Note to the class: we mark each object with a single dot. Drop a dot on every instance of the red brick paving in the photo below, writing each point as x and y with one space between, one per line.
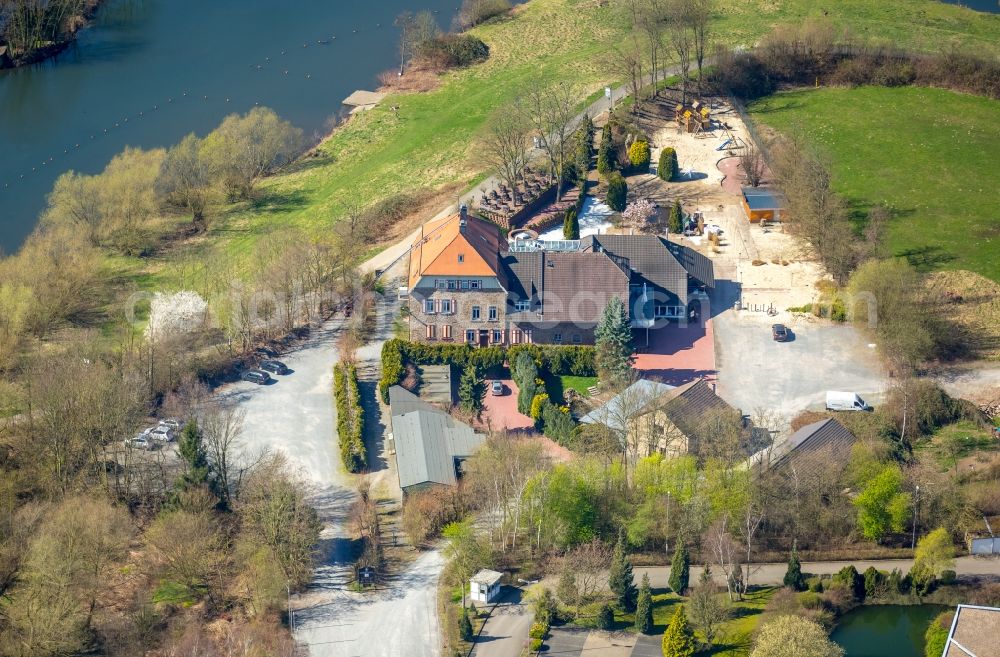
500 412
678 354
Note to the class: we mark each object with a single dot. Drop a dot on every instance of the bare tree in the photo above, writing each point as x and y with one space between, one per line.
504 147
681 40
222 431
415 29
725 552
186 177
752 163
698 15
551 112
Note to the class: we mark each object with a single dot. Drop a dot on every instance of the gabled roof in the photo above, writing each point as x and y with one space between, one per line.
689 405
655 260
824 438
627 404
456 246
428 441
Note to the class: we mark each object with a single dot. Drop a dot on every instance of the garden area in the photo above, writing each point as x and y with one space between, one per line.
926 154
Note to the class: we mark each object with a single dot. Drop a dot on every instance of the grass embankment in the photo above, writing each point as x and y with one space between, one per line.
430 143
928 154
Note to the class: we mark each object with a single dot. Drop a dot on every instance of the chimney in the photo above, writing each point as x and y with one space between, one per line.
463 215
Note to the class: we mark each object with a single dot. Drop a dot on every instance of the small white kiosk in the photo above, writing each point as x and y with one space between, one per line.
485 586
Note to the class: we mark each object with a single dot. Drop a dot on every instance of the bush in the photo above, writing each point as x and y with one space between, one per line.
617 192
535 645
815 584
538 630
667 167
453 51
937 634
474 12
605 152
873 581
605 618
350 417
465 626
537 404
810 600
638 156
557 423
948 577
851 580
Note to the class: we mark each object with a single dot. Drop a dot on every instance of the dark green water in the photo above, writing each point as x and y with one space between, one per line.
885 630
147 72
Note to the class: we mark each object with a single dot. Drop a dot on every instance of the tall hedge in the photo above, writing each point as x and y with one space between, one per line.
350 417
571 224
667 167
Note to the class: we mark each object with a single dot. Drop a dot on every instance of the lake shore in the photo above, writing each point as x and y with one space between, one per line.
76 23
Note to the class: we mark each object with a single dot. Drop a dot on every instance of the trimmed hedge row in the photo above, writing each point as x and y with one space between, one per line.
350 417
577 360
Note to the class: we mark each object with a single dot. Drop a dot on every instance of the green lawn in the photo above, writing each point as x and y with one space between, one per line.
557 385
431 143
929 154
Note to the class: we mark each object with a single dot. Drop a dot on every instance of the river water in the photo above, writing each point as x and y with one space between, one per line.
147 72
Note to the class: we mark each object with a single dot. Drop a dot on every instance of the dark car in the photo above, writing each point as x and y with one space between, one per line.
274 366
779 332
256 376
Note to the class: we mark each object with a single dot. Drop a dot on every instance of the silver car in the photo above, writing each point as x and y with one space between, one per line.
162 433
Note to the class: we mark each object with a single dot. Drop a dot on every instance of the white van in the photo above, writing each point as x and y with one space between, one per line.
845 401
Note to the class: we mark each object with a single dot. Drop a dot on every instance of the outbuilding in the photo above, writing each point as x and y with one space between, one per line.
761 204
485 586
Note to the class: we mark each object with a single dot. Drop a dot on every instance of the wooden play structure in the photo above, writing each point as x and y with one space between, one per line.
696 119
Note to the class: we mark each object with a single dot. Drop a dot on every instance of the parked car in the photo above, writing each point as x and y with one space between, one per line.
274 366
845 401
497 388
140 441
779 333
174 424
161 433
256 376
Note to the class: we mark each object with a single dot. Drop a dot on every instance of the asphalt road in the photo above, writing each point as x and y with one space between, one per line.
506 630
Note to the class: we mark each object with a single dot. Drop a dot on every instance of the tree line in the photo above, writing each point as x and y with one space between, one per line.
28 26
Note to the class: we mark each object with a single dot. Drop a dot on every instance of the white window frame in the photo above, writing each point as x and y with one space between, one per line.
470 336
447 307
493 314
522 305
464 285
475 285
477 314
430 307
557 338
496 336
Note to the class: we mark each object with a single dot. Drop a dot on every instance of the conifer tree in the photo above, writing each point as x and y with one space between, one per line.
614 344
470 391
793 576
571 224
678 640
680 570
644 607
620 578
676 221
465 626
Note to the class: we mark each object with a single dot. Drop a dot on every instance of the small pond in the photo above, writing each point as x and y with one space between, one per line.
882 630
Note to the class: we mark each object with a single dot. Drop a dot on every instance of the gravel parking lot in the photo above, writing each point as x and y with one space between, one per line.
788 377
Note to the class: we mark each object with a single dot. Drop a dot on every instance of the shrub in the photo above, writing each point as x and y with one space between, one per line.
350 417
605 618
465 626
453 51
537 404
538 630
851 580
557 423
617 192
474 12
535 645
873 581
948 577
810 600
638 155
667 167
937 634
815 584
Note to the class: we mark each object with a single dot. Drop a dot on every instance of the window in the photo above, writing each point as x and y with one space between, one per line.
527 337
576 338
475 313
493 313
429 306
465 285
431 331
515 336
475 285
557 337
470 336
461 258
446 332
452 285
497 336
440 284
446 306
522 305
667 311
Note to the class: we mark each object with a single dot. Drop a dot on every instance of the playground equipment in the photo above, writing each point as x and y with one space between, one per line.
696 120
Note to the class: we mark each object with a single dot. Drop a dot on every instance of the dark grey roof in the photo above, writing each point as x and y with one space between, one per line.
656 261
761 198
689 405
428 441
521 273
827 438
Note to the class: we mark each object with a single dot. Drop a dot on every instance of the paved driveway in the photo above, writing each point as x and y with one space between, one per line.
500 411
677 354
506 630
757 372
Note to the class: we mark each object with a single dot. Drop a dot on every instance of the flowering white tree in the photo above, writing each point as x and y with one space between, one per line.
180 312
639 212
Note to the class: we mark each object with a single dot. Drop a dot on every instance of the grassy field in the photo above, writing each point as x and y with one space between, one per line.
929 154
431 142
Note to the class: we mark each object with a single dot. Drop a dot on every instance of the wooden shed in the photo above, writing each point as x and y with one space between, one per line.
761 204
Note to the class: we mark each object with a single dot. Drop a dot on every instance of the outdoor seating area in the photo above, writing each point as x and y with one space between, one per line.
505 201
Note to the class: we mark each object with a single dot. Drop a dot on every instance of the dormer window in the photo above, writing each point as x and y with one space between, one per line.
461 258
522 305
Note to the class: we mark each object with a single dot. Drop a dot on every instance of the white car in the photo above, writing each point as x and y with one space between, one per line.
139 442
162 433
172 423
